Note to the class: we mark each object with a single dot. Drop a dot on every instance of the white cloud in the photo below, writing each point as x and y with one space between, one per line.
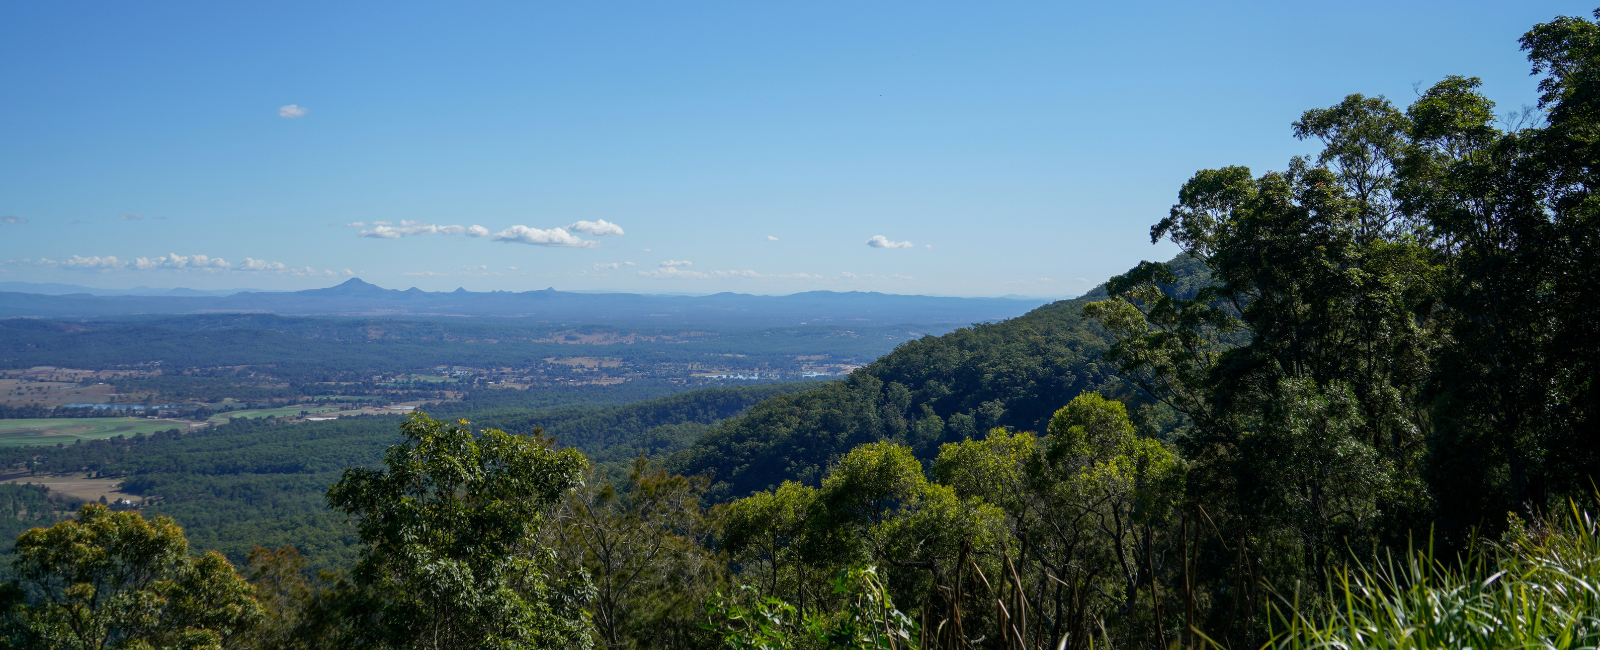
383 229
356 224
771 238
251 264
130 217
10 219
292 111
879 241
675 272
665 263
558 237
929 247
349 272
846 275
612 266
599 227
176 261
92 262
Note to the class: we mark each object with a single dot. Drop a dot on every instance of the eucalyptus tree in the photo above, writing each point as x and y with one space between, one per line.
117 580
453 556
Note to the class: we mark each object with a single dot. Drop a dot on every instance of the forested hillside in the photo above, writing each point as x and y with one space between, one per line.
928 392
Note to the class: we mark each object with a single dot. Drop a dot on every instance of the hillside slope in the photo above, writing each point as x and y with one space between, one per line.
1014 373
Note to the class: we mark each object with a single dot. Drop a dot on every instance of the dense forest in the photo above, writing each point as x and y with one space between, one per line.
1359 410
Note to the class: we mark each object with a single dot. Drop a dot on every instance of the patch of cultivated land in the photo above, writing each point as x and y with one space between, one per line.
76 485
16 392
315 412
50 431
286 411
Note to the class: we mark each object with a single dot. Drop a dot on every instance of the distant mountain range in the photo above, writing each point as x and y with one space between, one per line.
57 289
357 298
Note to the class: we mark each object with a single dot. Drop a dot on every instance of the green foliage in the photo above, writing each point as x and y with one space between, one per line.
451 556
1085 510
1399 332
1539 589
926 393
751 622
254 482
867 620
116 580
30 506
647 545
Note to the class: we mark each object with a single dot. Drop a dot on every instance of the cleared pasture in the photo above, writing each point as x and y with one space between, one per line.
286 411
50 431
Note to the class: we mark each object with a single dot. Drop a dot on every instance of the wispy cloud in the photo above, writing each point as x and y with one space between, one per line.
292 111
598 228
879 241
555 237
676 272
130 217
612 266
771 238
92 262
666 263
10 219
176 261
179 263
872 277
253 264
385 230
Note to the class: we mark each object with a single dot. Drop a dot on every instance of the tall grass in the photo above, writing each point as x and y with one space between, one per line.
1539 587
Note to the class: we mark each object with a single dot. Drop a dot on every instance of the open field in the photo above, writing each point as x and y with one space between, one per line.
49 431
77 485
274 413
16 392
319 412
69 375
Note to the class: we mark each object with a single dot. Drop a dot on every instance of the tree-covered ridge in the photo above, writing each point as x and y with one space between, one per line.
927 392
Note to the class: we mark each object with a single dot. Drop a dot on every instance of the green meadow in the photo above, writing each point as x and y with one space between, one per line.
49 431
277 413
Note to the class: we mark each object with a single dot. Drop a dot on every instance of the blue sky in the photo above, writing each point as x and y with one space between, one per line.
992 148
